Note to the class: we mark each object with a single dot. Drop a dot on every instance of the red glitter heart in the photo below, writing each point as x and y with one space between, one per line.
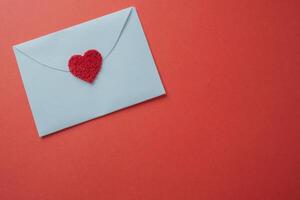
86 67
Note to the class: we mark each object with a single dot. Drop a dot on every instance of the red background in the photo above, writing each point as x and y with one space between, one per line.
227 129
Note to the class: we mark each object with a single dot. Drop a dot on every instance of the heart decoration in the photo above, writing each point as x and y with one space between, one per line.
86 67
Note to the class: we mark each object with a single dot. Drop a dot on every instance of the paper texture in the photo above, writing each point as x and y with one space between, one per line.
59 100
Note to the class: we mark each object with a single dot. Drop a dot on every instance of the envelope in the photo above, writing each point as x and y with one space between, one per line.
128 73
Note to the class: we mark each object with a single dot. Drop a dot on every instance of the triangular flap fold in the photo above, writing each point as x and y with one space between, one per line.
55 49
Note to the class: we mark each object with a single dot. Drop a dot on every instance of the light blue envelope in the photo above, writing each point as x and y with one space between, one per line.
128 75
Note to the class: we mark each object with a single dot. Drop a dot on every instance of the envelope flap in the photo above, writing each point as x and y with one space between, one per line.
56 48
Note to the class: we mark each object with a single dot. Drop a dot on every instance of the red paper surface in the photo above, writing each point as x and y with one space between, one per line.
227 129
